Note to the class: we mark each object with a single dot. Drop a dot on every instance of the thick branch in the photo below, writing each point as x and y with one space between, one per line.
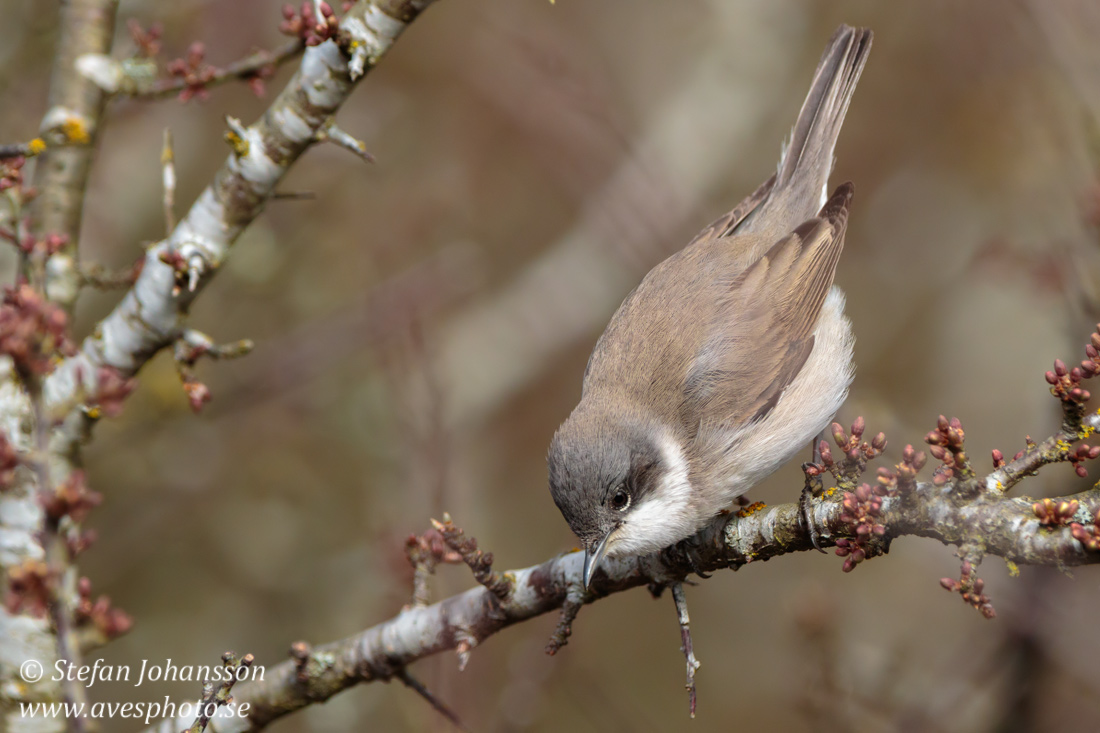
151 315
988 525
87 26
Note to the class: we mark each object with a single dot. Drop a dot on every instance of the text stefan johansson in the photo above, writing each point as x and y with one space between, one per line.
89 674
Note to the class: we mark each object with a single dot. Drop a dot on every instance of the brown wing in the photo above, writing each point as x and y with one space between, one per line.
727 223
763 332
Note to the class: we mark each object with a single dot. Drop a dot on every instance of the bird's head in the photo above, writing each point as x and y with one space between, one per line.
622 485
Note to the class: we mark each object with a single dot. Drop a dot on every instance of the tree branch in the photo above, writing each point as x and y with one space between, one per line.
151 315
986 524
76 105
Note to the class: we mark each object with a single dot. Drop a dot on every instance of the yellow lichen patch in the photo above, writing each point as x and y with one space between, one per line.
1013 569
751 509
93 412
36 146
239 145
1061 445
75 131
830 492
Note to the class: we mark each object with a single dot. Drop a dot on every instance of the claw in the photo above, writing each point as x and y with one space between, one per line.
806 517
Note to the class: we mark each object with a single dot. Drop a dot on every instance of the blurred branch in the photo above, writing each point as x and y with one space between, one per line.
151 315
75 106
256 65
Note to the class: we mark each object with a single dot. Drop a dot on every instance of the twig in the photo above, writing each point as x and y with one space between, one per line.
191 346
685 641
333 134
25 150
168 163
256 63
440 706
569 610
213 697
98 276
500 585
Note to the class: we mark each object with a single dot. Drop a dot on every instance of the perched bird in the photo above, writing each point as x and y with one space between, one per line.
729 357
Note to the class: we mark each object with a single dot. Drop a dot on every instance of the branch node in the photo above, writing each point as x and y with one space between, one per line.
466 643
334 134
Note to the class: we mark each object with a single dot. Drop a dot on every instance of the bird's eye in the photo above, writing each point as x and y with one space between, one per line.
620 500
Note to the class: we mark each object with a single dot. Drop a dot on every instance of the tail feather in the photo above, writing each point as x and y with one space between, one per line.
801 183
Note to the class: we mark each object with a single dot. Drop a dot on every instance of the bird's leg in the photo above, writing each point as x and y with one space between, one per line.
811 489
685 641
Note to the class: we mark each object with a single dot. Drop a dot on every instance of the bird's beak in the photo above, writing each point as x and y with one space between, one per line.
592 557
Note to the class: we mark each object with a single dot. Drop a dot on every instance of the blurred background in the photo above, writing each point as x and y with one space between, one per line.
422 325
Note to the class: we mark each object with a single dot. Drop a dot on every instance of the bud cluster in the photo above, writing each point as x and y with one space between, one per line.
855 452
29 588
148 41
971 588
71 499
903 477
11 172
32 331
862 512
1088 535
305 24
1082 454
193 71
1055 514
1065 382
110 621
947 446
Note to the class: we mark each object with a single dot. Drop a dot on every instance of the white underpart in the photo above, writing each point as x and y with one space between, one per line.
663 517
804 409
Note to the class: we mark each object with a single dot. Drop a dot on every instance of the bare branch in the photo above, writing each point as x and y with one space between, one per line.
152 314
75 107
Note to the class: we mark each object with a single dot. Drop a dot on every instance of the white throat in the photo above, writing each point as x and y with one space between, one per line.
664 517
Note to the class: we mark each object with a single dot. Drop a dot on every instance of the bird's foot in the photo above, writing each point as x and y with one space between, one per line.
806 504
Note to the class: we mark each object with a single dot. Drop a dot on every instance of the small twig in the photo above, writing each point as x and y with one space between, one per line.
440 706
333 134
480 563
569 610
102 278
168 161
25 150
685 641
191 346
424 553
293 196
257 64
215 697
